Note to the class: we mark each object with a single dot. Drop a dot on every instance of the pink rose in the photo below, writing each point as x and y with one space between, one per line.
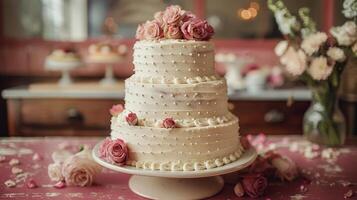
188 16
80 169
132 119
173 32
31 184
140 32
152 30
168 123
116 109
172 15
197 29
103 147
114 151
286 168
158 18
254 185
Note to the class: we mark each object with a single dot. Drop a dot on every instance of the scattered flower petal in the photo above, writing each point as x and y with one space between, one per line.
36 157
14 161
348 194
31 184
16 170
2 158
10 183
238 190
60 185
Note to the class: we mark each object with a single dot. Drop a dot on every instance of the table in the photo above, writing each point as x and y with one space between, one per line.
328 178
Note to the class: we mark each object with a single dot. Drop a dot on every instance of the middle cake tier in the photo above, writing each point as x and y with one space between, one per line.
197 104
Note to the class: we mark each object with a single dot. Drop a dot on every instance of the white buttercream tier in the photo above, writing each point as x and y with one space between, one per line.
180 101
177 149
173 59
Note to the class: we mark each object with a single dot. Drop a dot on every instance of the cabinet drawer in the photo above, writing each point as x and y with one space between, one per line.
66 112
271 117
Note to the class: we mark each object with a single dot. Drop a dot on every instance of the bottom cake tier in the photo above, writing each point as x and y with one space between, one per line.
180 149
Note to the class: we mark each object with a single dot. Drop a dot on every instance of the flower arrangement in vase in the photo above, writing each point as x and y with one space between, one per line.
318 59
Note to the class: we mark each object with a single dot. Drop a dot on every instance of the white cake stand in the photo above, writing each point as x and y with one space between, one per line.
109 78
64 67
178 184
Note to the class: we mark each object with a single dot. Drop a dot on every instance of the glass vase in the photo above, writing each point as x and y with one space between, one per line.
324 122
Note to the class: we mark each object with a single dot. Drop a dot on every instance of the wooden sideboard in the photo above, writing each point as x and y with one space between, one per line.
86 113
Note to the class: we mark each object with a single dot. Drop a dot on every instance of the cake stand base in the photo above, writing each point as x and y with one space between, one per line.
155 184
65 79
175 188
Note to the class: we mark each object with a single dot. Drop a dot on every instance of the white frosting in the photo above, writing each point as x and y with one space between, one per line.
176 78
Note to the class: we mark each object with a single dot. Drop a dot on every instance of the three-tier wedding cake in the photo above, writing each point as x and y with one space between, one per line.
176 115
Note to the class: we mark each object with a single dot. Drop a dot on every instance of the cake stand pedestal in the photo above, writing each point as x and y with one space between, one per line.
178 184
109 78
65 68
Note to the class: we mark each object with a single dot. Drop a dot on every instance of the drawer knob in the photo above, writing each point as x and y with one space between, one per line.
74 116
274 116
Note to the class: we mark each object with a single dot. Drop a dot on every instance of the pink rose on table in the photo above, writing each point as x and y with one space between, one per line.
173 32
55 172
132 119
197 29
140 32
169 123
153 30
172 15
254 185
286 168
80 169
116 109
114 151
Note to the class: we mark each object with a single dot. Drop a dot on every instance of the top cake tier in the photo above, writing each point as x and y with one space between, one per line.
173 61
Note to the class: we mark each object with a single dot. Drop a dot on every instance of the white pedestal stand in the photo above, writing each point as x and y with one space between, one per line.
109 78
178 184
65 68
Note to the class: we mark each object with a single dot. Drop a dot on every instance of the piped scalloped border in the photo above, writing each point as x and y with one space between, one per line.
188 166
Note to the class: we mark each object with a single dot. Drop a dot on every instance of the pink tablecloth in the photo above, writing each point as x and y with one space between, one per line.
327 179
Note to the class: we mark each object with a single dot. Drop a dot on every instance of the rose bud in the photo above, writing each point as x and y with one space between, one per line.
116 109
132 119
168 123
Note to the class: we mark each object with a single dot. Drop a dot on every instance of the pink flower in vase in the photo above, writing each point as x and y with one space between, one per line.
169 123
254 185
132 119
153 30
116 109
197 29
172 15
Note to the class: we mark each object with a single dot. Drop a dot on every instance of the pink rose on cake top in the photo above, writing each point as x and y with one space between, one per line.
175 23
